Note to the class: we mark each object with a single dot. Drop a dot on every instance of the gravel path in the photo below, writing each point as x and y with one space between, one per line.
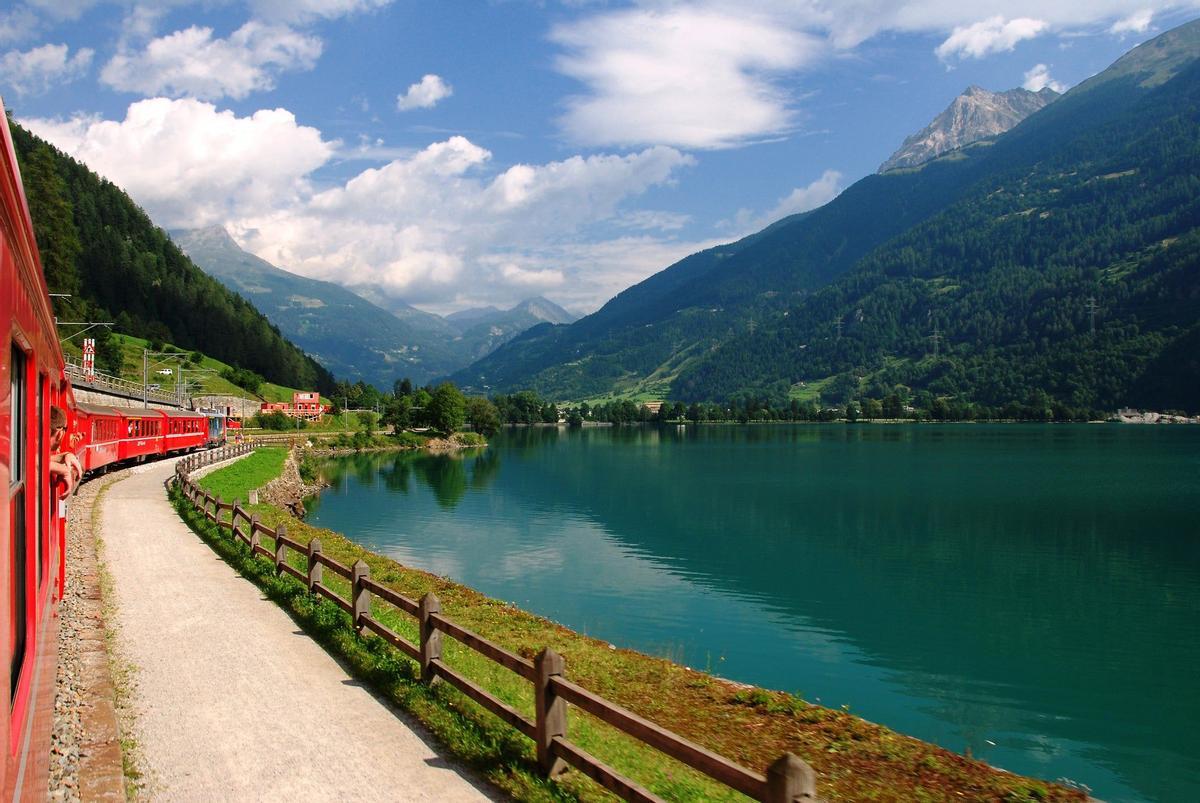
232 701
85 755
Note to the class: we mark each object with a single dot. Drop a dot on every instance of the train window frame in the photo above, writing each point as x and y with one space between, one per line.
41 471
22 611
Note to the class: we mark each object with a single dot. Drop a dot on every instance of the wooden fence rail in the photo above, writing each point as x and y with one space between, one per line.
787 780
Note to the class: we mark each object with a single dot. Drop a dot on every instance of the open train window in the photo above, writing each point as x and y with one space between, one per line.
19 524
42 474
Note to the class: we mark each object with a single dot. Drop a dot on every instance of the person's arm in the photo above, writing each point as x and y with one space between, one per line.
66 465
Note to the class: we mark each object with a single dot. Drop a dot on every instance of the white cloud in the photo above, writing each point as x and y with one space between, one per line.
424 94
1038 78
819 192
993 35
300 11
37 70
189 164
802 199
192 63
1137 22
423 226
690 77
16 25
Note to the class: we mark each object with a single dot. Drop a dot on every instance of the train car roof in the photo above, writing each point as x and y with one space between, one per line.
180 413
99 409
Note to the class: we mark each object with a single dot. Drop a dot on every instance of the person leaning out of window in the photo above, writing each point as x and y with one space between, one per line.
63 463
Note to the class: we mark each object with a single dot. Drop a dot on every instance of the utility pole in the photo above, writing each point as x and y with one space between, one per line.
935 337
838 323
1091 307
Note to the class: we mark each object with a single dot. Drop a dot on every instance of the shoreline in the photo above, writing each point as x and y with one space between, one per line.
773 720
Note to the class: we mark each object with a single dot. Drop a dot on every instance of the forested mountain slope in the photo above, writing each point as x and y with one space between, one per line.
98 246
995 248
1090 219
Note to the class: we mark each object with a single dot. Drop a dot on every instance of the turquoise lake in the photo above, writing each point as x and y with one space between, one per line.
1032 592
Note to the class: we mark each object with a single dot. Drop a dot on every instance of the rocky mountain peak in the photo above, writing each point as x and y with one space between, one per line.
976 114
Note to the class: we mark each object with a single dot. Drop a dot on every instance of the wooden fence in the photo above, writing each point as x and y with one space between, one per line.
787 780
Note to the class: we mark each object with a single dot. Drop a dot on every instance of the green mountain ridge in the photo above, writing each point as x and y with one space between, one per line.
996 248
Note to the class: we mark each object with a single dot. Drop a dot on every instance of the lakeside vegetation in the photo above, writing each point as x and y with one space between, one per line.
901 404
854 759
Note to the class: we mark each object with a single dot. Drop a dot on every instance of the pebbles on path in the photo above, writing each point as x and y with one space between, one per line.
85 755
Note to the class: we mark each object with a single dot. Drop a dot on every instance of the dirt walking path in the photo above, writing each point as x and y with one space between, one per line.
232 701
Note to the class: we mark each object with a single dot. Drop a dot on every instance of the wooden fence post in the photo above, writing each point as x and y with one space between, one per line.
360 595
314 566
280 548
217 511
550 711
790 779
431 637
254 536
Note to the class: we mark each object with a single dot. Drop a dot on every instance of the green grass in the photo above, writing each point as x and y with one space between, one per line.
256 470
854 759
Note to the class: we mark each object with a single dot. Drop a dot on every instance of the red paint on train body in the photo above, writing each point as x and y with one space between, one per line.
32 524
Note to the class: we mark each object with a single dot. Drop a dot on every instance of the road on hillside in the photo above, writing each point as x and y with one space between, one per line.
231 700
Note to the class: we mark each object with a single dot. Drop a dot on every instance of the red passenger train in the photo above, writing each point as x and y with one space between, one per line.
32 525
32 506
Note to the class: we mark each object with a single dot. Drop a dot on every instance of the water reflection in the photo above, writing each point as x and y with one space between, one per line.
1030 586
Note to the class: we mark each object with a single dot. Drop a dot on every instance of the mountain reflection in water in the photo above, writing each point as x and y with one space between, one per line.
1032 586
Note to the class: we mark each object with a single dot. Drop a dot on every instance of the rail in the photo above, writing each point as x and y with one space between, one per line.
116 386
787 780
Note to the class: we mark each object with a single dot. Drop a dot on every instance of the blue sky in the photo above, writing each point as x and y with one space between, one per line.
455 154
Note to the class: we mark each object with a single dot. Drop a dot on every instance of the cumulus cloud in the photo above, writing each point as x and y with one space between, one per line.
35 71
993 35
683 76
189 164
1137 22
424 94
1039 78
193 63
421 227
424 225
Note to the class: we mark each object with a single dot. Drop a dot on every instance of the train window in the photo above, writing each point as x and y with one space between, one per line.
42 418
19 420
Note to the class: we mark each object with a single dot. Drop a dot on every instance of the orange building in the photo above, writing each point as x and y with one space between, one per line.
305 404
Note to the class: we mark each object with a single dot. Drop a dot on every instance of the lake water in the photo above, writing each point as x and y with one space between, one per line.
1032 592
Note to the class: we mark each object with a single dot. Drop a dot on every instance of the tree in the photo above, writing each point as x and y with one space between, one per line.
447 408
402 387
483 416
397 413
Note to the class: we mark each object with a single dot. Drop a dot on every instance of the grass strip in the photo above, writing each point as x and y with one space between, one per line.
854 759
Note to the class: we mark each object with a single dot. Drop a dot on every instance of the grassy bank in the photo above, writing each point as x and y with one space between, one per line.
854 759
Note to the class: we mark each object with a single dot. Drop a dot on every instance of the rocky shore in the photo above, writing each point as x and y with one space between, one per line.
289 490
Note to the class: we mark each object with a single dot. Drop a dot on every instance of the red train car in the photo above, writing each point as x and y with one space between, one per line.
100 430
32 529
114 434
183 431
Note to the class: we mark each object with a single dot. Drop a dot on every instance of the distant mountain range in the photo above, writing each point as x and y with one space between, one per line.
974 115
348 334
1058 260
